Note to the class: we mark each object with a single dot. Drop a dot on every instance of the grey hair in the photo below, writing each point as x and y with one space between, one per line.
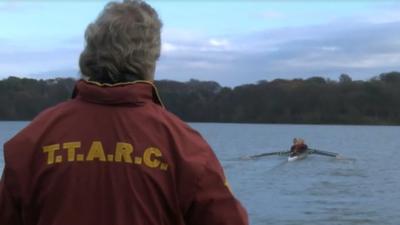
123 43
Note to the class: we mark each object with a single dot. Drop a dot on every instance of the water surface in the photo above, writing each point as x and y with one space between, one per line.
316 190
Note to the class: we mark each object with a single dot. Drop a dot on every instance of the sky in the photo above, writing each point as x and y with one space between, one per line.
232 42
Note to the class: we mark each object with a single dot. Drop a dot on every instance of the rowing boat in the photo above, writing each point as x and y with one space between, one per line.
294 157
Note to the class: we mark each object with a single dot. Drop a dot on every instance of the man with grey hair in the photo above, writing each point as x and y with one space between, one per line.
113 155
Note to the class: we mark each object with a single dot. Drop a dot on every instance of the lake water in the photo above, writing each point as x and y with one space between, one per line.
317 190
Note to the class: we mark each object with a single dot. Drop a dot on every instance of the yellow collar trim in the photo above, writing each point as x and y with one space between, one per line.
126 83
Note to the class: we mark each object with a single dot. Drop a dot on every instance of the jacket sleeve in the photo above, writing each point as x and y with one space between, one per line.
213 201
9 213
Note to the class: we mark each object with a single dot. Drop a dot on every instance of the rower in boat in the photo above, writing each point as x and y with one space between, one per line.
298 147
293 148
298 150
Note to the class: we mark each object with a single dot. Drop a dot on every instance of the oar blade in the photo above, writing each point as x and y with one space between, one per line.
324 153
268 154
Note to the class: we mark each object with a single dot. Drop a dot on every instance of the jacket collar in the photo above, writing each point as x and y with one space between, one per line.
136 92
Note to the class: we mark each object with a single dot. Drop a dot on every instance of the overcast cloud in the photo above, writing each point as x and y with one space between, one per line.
363 46
359 49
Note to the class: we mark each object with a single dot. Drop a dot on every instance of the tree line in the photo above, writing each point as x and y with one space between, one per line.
315 100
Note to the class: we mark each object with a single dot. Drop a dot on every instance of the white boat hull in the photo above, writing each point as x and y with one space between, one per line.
297 157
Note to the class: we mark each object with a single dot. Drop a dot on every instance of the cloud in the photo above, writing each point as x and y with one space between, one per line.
272 15
168 47
18 60
218 42
387 14
329 48
20 7
360 49
8 6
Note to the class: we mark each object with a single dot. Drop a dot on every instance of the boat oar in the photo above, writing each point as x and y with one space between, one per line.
325 153
267 154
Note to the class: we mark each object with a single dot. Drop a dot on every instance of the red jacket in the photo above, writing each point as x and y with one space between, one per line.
113 155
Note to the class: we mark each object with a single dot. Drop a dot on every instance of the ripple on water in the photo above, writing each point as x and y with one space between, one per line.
346 172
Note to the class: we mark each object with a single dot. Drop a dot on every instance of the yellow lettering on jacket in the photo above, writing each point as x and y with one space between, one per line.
123 151
110 158
50 150
164 166
80 157
138 160
71 149
96 151
148 158
58 159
